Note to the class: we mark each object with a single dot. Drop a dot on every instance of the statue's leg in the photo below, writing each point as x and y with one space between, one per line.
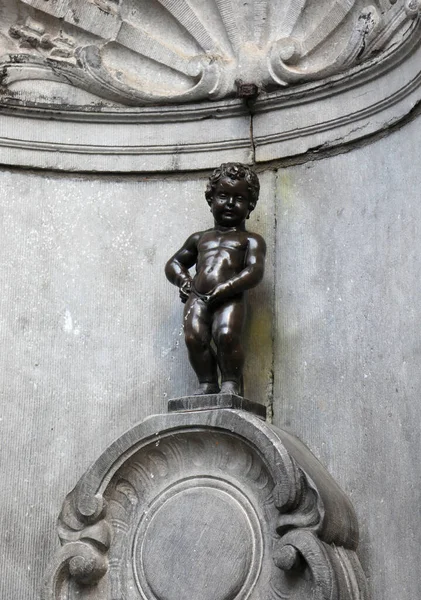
227 326
198 337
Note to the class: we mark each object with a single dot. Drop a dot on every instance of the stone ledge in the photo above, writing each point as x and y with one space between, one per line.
214 402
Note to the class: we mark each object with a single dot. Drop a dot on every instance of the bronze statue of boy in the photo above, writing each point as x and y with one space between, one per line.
229 260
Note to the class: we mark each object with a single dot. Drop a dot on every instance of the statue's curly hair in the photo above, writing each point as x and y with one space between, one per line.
235 171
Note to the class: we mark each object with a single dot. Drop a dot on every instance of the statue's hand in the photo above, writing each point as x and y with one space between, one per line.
185 291
219 294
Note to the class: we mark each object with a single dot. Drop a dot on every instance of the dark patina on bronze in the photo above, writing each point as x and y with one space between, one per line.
229 260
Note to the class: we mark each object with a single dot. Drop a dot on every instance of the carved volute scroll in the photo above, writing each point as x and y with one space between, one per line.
211 504
177 51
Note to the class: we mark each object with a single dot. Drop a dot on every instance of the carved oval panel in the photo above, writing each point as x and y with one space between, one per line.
191 517
200 539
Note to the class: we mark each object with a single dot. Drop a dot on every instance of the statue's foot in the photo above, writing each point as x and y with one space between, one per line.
230 387
207 388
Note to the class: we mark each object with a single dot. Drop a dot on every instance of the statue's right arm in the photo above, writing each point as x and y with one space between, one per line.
177 268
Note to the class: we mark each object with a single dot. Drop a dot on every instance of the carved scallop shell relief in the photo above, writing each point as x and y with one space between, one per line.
140 52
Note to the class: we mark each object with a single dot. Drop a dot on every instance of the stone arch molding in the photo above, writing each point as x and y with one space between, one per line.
137 53
150 85
211 504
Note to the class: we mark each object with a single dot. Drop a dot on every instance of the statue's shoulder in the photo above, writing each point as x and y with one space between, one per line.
194 238
256 240
199 234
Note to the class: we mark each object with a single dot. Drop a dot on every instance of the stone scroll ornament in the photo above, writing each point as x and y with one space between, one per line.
177 51
210 505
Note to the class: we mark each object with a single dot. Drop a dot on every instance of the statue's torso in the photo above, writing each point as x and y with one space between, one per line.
221 255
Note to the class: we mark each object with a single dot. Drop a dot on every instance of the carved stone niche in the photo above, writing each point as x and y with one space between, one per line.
209 504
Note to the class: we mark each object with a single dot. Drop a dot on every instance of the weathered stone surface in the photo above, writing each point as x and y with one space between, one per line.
85 353
177 51
209 504
48 124
348 223
78 263
150 139
347 347
346 108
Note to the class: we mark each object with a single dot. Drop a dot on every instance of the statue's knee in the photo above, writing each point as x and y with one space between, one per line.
194 340
227 339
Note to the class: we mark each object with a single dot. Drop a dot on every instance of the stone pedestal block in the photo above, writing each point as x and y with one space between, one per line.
211 504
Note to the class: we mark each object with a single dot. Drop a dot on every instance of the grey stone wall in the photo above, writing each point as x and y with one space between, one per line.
86 354
90 334
347 349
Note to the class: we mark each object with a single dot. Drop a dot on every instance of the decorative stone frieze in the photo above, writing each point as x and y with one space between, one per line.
209 504
176 51
76 78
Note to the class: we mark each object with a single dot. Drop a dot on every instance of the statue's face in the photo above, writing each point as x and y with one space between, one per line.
231 202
